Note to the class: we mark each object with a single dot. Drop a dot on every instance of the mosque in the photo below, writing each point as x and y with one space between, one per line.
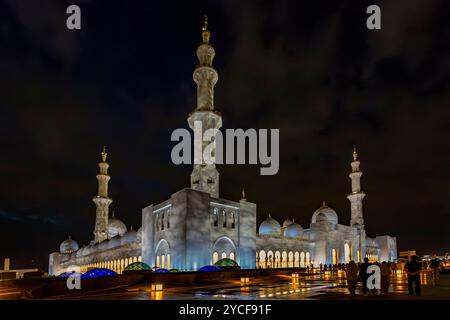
194 227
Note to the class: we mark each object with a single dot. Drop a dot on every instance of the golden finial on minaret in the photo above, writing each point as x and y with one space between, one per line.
243 193
205 32
104 154
355 154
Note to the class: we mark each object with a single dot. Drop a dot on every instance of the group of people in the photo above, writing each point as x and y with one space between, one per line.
358 272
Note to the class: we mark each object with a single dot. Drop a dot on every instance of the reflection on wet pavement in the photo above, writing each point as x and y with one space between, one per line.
327 285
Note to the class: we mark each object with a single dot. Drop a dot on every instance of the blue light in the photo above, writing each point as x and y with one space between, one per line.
208 268
161 270
97 273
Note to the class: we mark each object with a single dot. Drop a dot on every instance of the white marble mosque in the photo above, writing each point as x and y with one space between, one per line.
195 227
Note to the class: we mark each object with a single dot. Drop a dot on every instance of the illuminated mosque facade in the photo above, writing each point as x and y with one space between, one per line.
196 228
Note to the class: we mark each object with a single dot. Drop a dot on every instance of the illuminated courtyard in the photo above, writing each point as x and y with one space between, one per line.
327 286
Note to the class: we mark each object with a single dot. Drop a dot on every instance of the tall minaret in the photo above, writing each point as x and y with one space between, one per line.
204 177
357 195
102 201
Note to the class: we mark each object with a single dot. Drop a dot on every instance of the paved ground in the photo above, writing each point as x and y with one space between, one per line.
327 286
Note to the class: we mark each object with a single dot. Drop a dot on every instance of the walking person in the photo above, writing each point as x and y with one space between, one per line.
351 272
434 265
413 269
363 276
385 271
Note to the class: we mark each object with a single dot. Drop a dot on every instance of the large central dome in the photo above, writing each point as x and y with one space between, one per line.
325 214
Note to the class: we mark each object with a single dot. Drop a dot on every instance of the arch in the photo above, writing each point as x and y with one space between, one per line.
296 259
162 248
158 261
262 259
277 259
270 259
215 257
308 258
290 259
232 256
140 259
134 259
215 217
302 260
224 255
347 253
284 259
224 245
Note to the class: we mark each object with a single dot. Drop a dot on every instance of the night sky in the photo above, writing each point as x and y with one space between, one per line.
309 68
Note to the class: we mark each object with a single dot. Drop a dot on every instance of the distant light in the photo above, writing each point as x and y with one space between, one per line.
157 286
245 280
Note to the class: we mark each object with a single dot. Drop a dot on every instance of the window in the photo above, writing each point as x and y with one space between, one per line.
168 218
232 220
224 255
224 218
215 257
215 217
162 221
232 255
168 261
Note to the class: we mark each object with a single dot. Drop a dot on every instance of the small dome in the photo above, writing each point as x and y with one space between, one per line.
325 214
287 222
116 228
68 246
294 230
269 227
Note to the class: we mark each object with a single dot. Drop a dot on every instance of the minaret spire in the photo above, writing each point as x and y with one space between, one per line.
205 177
102 201
356 208
356 196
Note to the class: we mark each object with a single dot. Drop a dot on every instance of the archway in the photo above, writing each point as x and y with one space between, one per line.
225 247
162 250
262 259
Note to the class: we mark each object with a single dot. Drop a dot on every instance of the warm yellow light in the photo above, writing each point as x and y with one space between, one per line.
157 287
245 280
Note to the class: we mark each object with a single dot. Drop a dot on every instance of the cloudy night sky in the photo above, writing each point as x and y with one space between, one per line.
309 68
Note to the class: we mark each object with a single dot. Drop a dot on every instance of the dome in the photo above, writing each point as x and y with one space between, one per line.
294 230
116 227
137 266
68 246
325 214
97 273
287 223
269 227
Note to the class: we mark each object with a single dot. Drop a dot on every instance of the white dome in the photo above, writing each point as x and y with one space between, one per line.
294 230
68 246
325 214
287 223
116 227
270 227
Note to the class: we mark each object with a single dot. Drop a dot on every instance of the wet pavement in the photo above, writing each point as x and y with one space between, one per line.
325 286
